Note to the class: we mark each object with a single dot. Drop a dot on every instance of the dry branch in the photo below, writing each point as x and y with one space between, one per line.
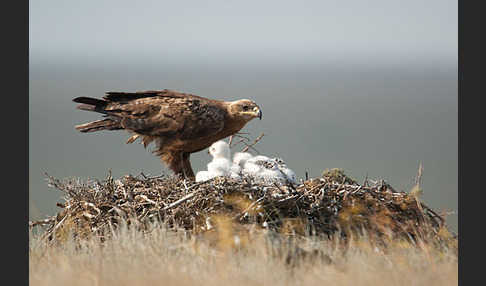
248 146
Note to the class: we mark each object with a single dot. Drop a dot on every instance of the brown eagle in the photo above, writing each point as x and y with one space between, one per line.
178 123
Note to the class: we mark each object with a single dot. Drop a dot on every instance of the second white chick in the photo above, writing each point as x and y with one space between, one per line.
251 167
221 164
239 160
262 168
269 171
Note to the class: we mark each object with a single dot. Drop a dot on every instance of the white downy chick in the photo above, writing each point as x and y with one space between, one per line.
235 171
221 164
220 149
270 171
251 167
263 168
239 160
289 174
202 176
217 167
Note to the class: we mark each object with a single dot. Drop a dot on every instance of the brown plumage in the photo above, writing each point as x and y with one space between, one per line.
178 123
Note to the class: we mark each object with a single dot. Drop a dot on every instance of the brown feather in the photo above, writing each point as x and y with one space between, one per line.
132 139
90 101
105 124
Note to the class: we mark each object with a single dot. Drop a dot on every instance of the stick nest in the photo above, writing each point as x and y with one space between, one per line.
324 206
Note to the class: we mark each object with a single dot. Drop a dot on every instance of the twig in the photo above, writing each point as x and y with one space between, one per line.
365 183
46 235
243 138
442 220
278 187
40 222
178 202
418 179
252 144
150 178
249 207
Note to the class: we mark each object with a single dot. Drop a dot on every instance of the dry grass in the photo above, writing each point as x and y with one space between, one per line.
160 256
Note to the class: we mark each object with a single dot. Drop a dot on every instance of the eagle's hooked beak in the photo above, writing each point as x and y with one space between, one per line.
259 112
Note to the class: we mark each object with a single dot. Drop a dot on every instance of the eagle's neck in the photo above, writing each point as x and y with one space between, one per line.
233 125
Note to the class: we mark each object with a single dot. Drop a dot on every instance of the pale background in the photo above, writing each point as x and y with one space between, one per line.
367 86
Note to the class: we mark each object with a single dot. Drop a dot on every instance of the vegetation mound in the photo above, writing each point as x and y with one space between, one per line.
330 205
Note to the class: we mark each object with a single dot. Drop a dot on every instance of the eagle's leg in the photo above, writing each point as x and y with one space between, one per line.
174 162
186 166
179 163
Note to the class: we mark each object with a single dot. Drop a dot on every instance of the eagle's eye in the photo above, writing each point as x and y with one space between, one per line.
246 107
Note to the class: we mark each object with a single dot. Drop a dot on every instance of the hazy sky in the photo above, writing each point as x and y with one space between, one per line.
243 30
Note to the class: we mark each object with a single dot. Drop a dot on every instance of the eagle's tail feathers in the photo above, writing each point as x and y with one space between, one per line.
90 100
91 104
104 124
86 107
113 96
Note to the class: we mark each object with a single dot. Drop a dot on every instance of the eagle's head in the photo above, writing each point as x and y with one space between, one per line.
245 109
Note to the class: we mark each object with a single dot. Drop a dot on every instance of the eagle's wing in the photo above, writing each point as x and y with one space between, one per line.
160 113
